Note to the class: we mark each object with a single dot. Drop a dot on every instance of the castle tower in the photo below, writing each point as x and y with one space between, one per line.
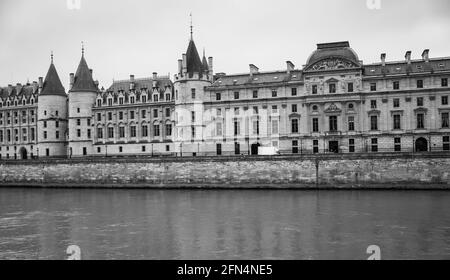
82 96
189 83
52 116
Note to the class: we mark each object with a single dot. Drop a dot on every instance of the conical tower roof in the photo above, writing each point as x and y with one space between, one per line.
204 62
83 78
194 64
52 84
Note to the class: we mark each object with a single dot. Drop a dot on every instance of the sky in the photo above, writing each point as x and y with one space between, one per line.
140 37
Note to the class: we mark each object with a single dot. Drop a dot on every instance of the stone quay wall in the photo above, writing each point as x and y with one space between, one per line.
284 172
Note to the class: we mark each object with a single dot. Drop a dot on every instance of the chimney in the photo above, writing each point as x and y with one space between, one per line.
290 66
71 81
210 65
383 59
408 57
132 85
155 75
41 83
96 83
18 84
184 63
253 69
425 55
180 66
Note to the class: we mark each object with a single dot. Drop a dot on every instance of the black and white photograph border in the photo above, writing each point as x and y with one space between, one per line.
224 131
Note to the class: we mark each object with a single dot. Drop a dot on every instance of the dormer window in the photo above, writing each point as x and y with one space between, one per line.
144 98
110 102
132 100
99 102
120 100
23 102
155 97
167 96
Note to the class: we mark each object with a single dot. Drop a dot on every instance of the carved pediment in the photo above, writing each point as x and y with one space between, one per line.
333 109
332 63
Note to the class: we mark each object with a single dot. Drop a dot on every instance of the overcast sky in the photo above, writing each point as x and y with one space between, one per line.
141 36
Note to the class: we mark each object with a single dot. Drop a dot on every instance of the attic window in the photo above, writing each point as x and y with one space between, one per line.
276 78
234 81
372 70
398 68
294 76
419 67
441 65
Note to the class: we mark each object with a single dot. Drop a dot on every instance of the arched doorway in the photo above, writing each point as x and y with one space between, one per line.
421 145
23 153
254 148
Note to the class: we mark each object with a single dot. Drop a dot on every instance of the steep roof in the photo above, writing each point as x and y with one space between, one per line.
194 64
52 83
83 78
204 62
336 49
258 79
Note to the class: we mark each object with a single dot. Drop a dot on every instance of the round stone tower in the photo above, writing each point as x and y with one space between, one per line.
189 83
82 95
52 116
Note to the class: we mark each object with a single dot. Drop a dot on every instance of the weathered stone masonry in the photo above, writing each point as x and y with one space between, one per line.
403 173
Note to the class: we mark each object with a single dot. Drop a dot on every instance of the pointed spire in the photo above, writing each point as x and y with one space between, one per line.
83 78
82 48
192 37
52 84
204 62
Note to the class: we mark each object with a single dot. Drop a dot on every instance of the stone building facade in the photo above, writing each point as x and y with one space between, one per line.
334 104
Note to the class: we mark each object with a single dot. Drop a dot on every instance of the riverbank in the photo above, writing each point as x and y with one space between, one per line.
357 171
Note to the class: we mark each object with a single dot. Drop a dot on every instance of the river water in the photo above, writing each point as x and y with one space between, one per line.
225 224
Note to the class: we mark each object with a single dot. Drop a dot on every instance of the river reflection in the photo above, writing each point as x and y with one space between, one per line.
175 224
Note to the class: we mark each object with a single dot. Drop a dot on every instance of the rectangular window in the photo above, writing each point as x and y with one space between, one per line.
255 127
99 133
219 149
274 109
89 134
445 120
110 132
193 93
350 87
99 117
397 122
396 103
373 104
294 91
332 88
444 82
351 145
193 132
57 134
78 133
236 95
294 126
110 116
274 126
315 123
373 122
218 96
143 149
314 89
274 93
132 115
45 124
167 112
168 130
444 100
193 117
446 143
143 114
419 101
219 129
144 131
155 113
397 144
120 149
419 83
133 131
374 145
122 132
255 94
237 148
255 110
333 123
32 134
396 85
351 123
295 146
237 129
373 86
144 99
420 121
294 108
156 131
315 146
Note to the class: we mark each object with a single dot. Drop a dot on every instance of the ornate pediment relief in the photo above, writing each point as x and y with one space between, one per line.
332 63
333 109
